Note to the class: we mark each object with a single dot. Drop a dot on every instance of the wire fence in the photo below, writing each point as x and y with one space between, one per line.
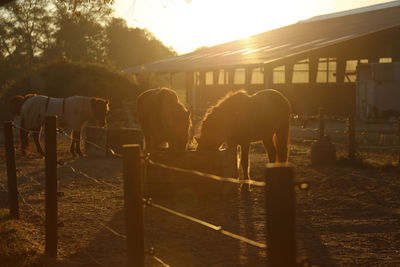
146 162
363 140
117 188
206 224
149 202
207 175
105 149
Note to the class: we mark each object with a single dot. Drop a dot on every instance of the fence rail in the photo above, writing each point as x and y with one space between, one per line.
360 139
280 251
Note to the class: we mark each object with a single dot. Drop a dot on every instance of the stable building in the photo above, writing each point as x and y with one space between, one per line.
312 62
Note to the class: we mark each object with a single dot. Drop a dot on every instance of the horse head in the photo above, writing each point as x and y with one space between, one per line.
16 103
100 108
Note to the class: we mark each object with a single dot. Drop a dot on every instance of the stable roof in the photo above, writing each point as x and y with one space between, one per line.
305 36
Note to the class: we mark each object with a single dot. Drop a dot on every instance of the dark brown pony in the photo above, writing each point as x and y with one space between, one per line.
239 119
16 103
163 118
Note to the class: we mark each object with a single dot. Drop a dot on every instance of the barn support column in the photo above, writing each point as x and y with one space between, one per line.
225 81
289 73
215 81
231 76
268 76
170 74
313 69
373 59
189 89
248 76
202 89
340 70
396 49
215 78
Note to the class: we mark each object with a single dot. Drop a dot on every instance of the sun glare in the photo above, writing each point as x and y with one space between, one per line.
209 22
224 21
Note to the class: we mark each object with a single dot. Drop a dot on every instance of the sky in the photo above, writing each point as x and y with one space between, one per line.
188 26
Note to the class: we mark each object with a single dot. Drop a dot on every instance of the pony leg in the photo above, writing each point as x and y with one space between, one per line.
244 159
173 144
282 143
78 143
271 150
36 138
72 146
146 143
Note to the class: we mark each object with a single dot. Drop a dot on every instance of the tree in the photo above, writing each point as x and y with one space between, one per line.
23 30
127 47
24 34
39 31
80 36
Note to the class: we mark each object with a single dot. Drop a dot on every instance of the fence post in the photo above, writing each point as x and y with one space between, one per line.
51 238
11 170
322 132
351 131
398 134
133 205
280 215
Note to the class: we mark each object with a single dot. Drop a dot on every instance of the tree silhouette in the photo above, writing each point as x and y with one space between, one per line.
127 47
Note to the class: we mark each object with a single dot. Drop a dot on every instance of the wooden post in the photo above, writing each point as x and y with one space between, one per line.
11 170
51 238
398 134
280 215
352 137
322 132
133 205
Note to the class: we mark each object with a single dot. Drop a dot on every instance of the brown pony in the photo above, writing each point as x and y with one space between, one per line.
239 119
163 118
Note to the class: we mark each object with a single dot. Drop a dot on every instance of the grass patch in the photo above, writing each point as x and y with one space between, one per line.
17 247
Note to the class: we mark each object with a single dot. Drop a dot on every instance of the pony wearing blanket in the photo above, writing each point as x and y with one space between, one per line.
163 118
73 112
239 119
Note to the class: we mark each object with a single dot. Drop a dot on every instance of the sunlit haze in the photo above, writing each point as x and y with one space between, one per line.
186 27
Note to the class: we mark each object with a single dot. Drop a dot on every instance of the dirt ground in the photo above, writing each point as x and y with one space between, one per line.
349 215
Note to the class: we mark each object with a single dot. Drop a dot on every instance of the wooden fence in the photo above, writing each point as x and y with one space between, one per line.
279 189
358 136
